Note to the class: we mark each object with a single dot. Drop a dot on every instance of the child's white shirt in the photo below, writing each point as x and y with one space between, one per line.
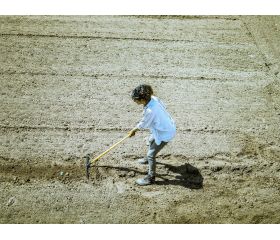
158 120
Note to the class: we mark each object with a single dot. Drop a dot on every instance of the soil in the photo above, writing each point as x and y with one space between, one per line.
65 85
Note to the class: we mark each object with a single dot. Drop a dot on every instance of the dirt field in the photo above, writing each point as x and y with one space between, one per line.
65 85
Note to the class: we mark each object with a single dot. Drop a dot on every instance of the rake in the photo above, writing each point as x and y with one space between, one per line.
90 162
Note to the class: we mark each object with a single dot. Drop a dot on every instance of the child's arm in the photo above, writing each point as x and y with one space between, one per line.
145 122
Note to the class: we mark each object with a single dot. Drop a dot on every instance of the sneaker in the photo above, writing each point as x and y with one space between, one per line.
142 161
147 180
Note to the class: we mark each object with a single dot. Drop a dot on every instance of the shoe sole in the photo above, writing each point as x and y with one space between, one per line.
145 184
139 184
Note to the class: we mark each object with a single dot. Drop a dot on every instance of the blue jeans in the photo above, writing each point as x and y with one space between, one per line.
151 155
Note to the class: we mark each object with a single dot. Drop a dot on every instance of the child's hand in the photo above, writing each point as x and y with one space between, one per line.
132 132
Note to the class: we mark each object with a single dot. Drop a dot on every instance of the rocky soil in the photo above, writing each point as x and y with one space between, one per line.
65 84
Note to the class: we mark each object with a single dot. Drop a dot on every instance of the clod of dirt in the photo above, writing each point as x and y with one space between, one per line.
122 174
131 174
15 179
216 168
11 201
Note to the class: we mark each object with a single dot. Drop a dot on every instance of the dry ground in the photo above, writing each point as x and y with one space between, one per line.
65 84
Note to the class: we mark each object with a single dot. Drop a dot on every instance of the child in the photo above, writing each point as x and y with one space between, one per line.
160 123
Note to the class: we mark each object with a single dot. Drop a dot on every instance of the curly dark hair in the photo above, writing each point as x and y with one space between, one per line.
143 91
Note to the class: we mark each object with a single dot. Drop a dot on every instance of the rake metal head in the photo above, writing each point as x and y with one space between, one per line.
87 166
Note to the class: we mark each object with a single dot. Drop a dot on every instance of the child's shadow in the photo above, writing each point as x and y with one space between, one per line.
188 176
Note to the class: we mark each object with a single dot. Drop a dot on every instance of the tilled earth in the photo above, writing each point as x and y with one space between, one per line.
65 85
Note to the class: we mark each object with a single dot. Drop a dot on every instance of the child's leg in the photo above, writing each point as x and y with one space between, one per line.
151 156
149 143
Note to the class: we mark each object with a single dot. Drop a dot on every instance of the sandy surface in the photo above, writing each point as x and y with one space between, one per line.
65 84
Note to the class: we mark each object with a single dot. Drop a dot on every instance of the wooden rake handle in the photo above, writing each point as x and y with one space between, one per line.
108 150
